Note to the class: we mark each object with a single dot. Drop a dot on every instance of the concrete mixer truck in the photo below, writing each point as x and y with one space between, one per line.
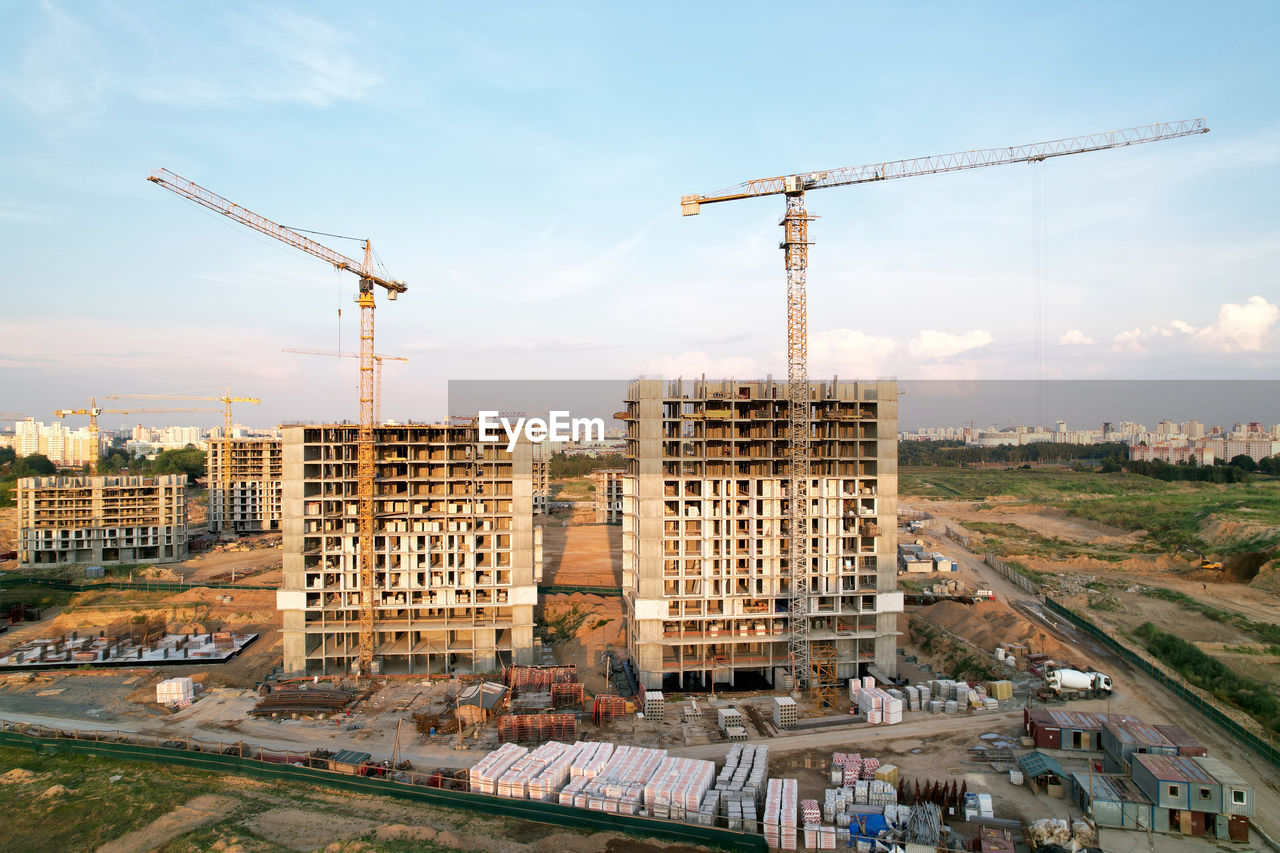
1074 684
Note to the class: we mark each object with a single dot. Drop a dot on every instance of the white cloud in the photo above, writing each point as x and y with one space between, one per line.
1250 327
932 344
1075 337
697 363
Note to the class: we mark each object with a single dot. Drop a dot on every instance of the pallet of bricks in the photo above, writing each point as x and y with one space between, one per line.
879 706
534 728
817 836
740 788
589 762
484 775
678 788
655 706
865 788
781 804
605 708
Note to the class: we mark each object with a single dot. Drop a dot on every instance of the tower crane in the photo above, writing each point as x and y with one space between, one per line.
94 410
364 298
378 358
224 478
795 246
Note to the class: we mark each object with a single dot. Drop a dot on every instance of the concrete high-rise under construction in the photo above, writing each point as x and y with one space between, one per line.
456 561
705 538
110 519
245 486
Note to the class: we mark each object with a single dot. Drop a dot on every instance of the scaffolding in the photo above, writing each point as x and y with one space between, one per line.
822 675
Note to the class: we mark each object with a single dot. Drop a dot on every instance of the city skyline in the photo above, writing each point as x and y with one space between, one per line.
1160 258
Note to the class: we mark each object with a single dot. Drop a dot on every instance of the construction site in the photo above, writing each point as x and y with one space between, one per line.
712 648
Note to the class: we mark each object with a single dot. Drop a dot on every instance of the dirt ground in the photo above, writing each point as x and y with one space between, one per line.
586 554
252 560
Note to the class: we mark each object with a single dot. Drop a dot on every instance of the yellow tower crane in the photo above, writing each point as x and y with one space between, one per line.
223 502
94 410
364 436
795 245
378 358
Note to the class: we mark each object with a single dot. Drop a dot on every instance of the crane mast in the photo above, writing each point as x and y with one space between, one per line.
365 466
795 246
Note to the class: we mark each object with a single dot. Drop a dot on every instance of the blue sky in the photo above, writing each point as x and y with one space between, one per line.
520 167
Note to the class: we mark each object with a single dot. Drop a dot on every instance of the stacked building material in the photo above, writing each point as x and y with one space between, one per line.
654 705
780 804
515 781
878 705
534 728
726 717
574 793
567 696
290 700
744 774
605 708
619 785
846 768
708 809
175 691
913 698
538 679
485 773
544 783
782 679
1000 690
591 759
691 712
678 787
785 712
869 768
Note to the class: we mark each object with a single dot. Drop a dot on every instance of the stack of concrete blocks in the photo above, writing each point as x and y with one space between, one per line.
730 722
619 785
546 783
175 691
692 713
677 787
519 777
742 782
782 679
654 705
780 806
785 712
708 809
485 773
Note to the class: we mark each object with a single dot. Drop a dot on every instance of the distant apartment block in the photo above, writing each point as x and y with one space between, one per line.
61 445
541 477
608 494
1207 450
705 539
245 485
123 519
456 556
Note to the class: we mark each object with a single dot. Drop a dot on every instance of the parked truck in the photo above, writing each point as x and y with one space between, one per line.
1074 684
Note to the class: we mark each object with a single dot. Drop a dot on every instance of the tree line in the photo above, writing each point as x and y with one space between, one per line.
954 454
565 467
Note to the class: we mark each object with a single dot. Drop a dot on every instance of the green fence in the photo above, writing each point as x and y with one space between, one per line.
1264 747
57 742
569 589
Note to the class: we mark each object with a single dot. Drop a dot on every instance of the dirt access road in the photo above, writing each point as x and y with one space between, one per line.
1138 693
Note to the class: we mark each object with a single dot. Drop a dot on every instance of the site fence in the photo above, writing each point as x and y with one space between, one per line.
570 589
956 536
437 788
1012 575
1200 700
144 585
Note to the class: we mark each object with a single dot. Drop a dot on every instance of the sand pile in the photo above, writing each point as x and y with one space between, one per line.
987 624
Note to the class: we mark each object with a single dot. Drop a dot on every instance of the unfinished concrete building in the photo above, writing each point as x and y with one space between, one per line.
100 520
705 538
541 477
456 562
608 494
245 487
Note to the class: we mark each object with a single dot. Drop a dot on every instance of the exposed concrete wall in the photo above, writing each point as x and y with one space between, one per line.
252 503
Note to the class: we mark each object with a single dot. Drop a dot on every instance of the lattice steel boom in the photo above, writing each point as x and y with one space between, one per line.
364 437
795 245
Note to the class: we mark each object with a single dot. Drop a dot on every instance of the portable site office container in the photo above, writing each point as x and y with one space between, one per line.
1111 800
1120 740
1187 745
1237 794
1186 798
1079 731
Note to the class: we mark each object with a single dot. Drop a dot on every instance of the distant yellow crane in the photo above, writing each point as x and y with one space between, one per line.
222 500
94 410
365 467
378 358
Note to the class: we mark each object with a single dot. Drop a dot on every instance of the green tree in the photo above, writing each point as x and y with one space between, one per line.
189 461
34 465
1244 463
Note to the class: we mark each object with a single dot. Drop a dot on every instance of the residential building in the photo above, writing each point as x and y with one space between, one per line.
705 540
456 556
608 494
124 519
541 476
61 445
245 488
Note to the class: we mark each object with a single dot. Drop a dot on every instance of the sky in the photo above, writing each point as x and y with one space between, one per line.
520 167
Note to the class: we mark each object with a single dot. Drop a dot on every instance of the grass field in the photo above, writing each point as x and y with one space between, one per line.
1171 513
